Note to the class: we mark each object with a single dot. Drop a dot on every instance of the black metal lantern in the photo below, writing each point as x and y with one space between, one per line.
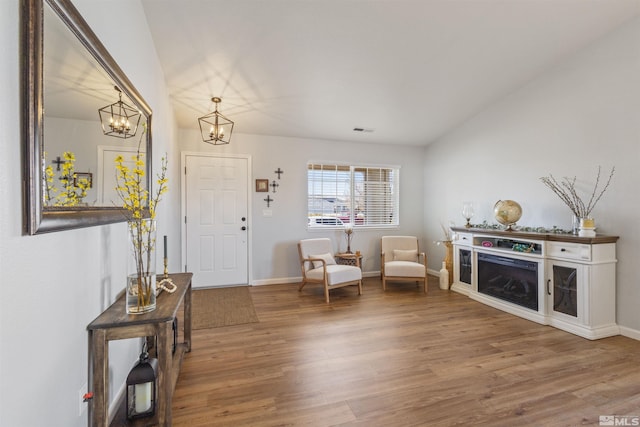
119 119
141 387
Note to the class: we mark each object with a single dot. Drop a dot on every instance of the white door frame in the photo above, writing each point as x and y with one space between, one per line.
183 203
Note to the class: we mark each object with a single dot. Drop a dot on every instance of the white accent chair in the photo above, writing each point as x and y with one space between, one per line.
401 259
319 266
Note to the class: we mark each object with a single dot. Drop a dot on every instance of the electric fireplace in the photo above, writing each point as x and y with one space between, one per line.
547 277
509 279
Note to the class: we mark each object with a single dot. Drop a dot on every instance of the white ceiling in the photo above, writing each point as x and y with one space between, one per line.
410 71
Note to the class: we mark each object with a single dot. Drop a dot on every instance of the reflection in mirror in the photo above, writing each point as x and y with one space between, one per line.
119 119
69 163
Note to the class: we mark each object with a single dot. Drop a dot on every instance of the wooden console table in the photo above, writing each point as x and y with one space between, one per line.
115 324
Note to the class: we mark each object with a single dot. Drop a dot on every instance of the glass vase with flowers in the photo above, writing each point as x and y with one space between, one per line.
141 213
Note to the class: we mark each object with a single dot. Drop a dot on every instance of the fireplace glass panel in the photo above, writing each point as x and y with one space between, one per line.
509 279
565 286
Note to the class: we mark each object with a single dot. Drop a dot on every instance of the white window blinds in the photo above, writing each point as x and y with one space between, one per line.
357 195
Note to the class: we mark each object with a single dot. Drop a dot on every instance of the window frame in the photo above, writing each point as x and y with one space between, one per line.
353 169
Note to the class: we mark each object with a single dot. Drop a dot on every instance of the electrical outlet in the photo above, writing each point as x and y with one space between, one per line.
82 404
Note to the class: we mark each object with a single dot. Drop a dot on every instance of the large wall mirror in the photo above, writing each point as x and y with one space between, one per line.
70 83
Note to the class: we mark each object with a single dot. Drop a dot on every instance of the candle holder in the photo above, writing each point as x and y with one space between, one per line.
166 283
467 213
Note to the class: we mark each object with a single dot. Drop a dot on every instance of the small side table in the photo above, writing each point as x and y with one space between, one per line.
349 259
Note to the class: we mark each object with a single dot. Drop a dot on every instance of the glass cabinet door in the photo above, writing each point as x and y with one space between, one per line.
464 265
565 290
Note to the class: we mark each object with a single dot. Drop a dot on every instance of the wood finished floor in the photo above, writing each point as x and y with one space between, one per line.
400 358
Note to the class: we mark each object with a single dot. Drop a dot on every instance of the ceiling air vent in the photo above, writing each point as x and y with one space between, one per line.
356 129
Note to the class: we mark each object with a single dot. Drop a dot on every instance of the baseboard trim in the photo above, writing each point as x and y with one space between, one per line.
117 402
630 333
298 279
276 281
432 272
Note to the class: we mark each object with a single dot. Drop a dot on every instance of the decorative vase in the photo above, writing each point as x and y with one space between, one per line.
444 277
587 227
348 230
575 224
141 267
448 259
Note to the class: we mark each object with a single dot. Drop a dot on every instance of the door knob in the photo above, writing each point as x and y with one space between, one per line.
243 228
244 219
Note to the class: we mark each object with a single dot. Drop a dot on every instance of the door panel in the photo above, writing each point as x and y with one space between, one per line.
207 253
216 201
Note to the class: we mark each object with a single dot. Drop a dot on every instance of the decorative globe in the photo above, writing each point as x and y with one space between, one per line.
507 212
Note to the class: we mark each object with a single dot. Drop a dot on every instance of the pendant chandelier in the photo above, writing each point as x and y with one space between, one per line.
119 119
215 128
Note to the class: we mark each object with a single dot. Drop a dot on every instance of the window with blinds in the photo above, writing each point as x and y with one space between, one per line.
356 195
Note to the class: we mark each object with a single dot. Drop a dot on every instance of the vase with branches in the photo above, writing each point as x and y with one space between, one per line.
348 231
566 190
447 241
140 207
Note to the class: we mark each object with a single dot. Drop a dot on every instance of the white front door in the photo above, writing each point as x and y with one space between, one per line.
106 185
216 220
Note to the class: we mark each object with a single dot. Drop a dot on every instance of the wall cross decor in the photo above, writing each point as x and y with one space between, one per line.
274 185
268 200
58 161
278 172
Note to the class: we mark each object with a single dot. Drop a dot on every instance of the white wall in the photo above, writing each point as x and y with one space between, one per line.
583 113
274 256
53 285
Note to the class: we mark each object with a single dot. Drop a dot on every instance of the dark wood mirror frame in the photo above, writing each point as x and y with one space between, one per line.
38 218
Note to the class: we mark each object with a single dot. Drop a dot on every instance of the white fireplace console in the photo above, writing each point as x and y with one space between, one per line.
561 280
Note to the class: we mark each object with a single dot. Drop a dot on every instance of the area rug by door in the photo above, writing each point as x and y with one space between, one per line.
216 307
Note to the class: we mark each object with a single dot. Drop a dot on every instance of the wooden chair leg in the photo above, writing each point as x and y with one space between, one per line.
384 283
359 287
326 293
301 285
